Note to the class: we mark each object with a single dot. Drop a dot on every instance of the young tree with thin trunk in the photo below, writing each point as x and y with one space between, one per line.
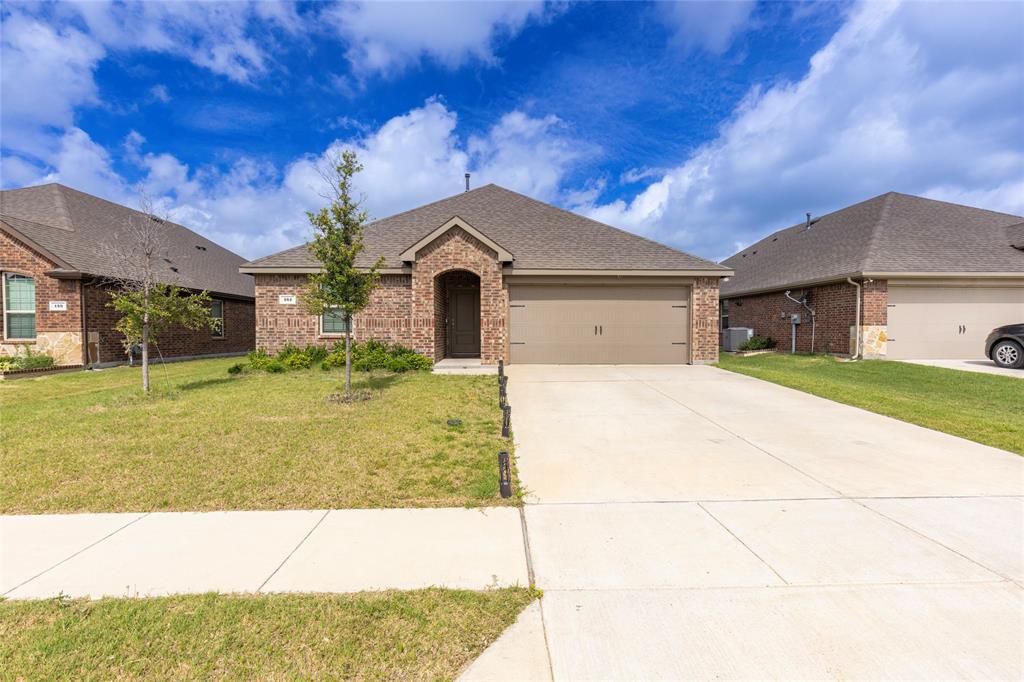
142 288
340 286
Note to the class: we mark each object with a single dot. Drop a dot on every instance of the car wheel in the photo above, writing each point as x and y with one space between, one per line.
1008 354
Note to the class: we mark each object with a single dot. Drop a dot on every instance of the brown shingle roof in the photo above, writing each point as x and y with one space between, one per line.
538 235
79 228
891 233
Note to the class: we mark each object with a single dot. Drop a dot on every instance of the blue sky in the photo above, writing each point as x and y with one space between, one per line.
701 124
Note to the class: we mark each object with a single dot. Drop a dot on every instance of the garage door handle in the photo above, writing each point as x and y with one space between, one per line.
602 330
595 330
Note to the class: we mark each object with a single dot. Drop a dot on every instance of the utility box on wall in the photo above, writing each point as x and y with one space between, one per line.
734 337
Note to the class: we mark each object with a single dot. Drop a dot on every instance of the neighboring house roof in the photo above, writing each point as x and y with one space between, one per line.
1016 235
79 232
537 235
890 234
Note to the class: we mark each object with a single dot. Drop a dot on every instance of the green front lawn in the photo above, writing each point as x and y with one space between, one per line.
422 635
985 408
207 440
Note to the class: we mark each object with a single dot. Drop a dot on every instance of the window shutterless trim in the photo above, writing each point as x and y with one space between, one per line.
214 333
338 335
23 312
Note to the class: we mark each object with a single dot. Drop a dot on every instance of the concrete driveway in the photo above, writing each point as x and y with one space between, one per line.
687 522
983 366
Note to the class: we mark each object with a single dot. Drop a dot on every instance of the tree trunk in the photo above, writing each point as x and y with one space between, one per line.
145 354
145 340
348 355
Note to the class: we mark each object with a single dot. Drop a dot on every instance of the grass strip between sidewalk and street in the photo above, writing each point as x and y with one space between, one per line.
419 635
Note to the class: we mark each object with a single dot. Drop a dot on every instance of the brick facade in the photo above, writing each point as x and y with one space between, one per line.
835 306
108 343
458 250
387 317
63 334
411 309
704 321
58 333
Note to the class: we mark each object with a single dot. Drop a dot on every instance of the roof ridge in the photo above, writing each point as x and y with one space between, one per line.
801 225
875 231
611 227
169 220
953 203
432 203
389 217
63 206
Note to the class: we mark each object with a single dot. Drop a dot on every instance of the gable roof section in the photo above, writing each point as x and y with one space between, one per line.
410 254
75 230
539 237
890 234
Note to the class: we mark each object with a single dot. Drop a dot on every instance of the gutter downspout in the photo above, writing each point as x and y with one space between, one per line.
856 354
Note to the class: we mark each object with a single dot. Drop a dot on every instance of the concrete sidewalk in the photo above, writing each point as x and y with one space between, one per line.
95 555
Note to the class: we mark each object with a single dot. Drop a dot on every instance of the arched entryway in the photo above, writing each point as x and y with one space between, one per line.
457 315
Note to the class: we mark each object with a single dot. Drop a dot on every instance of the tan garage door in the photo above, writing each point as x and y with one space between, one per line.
574 324
948 322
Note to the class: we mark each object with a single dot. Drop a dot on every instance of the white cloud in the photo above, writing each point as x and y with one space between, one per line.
254 208
708 24
386 37
160 93
85 165
214 35
529 155
914 98
45 73
47 60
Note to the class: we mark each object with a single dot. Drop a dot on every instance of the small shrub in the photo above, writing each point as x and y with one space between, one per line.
30 360
315 354
758 343
257 359
295 361
275 366
373 354
236 368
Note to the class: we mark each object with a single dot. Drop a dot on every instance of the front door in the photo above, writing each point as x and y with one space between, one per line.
464 323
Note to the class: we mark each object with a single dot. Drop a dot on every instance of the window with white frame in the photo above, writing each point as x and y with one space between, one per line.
334 322
217 313
19 307
725 314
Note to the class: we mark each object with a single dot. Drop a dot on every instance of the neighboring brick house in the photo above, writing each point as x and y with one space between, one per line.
57 249
493 274
932 278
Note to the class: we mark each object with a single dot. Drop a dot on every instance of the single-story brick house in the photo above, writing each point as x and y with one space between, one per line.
57 247
927 279
493 274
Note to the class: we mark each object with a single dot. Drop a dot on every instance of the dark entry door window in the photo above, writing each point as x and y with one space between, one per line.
464 322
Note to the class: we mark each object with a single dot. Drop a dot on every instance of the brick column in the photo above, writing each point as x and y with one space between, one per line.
704 321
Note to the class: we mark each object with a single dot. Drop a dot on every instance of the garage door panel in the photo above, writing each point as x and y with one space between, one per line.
599 324
948 322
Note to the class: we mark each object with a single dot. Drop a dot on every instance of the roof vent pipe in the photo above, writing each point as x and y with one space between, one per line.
808 222
467 182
